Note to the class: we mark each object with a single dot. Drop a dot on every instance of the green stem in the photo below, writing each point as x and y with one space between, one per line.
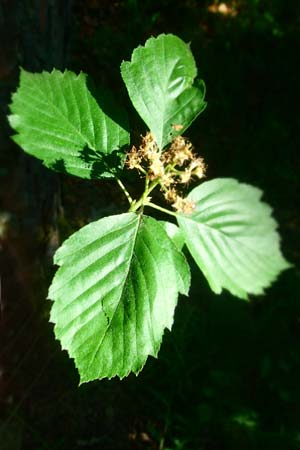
135 205
160 208
128 196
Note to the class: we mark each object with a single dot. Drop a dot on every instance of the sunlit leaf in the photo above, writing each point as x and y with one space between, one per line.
159 79
174 233
232 237
58 121
115 293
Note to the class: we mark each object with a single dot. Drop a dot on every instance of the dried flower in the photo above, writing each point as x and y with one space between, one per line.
176 165
157 169
133 159
185 176
179 152
199 172
167 179
184 205
148 149
171 195
198 168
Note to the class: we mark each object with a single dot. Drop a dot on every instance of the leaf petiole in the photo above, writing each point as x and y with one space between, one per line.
160 208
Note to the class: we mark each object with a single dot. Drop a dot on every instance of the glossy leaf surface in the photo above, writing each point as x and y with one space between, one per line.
58 121
115 293
159 79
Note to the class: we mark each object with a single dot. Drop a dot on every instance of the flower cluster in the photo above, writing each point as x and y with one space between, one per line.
177 165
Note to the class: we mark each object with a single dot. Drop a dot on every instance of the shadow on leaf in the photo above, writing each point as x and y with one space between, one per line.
108 104
100 165
104 165
59 166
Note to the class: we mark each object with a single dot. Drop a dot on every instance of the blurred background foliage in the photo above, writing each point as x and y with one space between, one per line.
227 377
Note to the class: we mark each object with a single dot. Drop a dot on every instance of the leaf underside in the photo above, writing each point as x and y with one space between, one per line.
159 79
232 237
115 293
58 121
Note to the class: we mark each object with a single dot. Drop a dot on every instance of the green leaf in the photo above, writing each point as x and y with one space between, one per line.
232 237
159 79
59 121
174 233
115 293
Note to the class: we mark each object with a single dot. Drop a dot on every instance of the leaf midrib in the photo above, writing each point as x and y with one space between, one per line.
139 219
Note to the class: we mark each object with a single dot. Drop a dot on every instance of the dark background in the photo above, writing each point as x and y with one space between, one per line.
228 376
